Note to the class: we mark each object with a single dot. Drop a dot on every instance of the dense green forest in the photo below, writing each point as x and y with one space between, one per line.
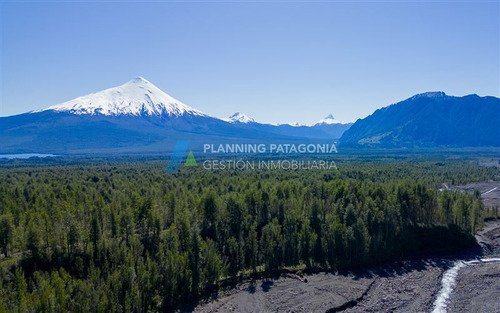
125 237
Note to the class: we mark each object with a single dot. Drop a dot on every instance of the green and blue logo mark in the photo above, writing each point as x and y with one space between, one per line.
177 157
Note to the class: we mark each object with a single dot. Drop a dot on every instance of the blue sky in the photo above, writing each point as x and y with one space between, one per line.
276 62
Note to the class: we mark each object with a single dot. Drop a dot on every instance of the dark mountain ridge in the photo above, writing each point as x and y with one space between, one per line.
431 119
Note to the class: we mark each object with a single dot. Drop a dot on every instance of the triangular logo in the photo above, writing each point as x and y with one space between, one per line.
191 161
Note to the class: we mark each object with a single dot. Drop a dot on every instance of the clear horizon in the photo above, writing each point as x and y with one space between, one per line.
274 62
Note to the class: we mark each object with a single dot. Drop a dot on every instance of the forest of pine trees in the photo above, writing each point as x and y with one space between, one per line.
126 237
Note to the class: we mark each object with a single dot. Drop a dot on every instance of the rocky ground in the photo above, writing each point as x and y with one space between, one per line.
402 287
477 289
478 285
320 293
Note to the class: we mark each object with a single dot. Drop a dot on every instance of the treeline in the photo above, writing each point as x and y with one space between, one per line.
128 238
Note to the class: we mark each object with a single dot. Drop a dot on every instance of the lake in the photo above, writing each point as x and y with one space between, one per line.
25 156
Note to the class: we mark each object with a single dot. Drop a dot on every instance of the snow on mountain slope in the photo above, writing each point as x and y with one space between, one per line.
296 124
329 120
239 118
137 97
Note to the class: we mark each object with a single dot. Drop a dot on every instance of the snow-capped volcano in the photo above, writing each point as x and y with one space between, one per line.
239 118
138 117
137 97
329 119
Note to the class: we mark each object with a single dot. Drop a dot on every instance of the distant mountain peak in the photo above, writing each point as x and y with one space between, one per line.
137 97
329 119
139 79
296 124
239 118
430 94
